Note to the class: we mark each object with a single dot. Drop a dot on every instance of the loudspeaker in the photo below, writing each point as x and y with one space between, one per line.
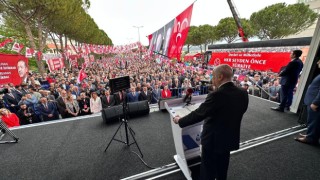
112 113
138 108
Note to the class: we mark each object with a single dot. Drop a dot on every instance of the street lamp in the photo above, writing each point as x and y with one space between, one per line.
138 27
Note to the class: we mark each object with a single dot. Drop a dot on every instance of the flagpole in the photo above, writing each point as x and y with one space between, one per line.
161 54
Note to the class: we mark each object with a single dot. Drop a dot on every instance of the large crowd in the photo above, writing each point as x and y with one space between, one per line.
59 94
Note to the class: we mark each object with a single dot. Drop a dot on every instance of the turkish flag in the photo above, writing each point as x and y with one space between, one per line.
29 52
82 75
17 47
180 33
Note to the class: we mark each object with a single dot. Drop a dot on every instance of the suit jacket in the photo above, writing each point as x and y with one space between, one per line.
10 100
313 92
117 98
290 74
105 103
27 119
222 113
18 94
143 96
156 95
131 98
24 91
62 107
50 110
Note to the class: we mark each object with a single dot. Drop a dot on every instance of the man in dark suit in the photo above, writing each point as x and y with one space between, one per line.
132 96
11 100
312 100
156 94
48 110
288 81
17 92
107 100
120 97
145 94
222 113
62 105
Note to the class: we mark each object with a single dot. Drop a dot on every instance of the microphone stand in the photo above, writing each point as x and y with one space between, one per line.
4 130
127 129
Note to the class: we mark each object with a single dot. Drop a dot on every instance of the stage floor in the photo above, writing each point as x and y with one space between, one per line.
75 149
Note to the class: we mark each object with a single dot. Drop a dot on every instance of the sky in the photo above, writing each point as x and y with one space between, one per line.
117 17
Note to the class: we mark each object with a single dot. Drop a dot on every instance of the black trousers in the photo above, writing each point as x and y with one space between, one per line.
214 165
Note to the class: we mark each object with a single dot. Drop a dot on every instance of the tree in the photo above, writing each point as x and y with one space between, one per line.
227 29
189 41
281 20
208 35
60 18
30 15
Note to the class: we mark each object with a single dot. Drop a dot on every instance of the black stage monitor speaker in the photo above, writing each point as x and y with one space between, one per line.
112 114
138 108
118 84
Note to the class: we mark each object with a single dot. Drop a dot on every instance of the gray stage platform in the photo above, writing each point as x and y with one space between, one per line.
75 149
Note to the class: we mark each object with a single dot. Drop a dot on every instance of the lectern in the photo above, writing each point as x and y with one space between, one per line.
186 140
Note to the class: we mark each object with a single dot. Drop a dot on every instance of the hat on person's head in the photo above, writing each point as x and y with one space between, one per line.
24 84
22 104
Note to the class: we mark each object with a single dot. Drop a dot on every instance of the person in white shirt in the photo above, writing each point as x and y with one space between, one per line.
95 103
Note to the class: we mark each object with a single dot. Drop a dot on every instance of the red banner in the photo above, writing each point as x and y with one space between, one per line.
2 44
180 33
13 69
252 60
73 60
55 64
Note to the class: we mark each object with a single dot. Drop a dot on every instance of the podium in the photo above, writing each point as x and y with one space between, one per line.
187 139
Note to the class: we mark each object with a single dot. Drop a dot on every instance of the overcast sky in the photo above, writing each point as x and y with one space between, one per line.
117 17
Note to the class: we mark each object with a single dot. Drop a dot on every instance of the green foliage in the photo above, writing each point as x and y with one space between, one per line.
227 29
30 22
33 65
280 20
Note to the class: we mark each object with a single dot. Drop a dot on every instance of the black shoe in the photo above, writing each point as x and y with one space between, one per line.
287 108
278 109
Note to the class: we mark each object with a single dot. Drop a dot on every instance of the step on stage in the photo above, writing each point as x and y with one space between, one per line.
74 149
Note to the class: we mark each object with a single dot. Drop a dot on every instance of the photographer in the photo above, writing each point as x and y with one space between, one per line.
26 115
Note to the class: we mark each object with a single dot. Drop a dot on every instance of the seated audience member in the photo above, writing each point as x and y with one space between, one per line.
10 119
274 91
48 110
27 115
72 106
166 93
133 96
246 87
245 81
84 104
95 103
107 100
145 94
